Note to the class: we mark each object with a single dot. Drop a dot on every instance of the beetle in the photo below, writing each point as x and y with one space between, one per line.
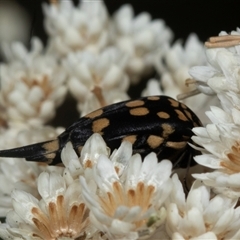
157 124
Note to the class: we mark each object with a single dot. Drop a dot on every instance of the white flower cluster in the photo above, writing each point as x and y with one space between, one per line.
220 139
17 173
117 196
88 29
95 58
32 84
89 72
83 58
106 53
140 38
173 66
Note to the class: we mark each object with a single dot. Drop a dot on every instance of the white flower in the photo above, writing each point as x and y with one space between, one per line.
140 37
123 204
178 60
98 99
223 73
220 147
32 84
87 70
59 214
220 140
152 89
18 173
90 152
173 67
84 27
200 216
230 102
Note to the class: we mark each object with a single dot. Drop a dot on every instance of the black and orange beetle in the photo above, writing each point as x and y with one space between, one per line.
157 124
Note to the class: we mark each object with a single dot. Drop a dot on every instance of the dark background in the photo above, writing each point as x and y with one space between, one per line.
206 18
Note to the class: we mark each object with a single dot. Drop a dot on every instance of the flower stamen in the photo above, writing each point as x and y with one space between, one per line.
223 41
233 163
141 196
188 94
54 2
88 164
183 96
98 93
108 203
59 223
